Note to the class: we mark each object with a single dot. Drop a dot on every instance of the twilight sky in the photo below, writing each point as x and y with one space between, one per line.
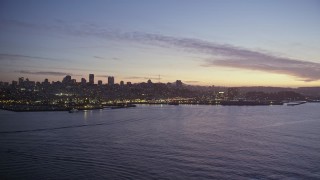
201 42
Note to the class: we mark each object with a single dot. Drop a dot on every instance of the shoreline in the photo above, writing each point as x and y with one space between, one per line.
43 108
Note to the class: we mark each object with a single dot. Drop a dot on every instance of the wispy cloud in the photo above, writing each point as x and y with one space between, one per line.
304 70
192 81
104 76
98 57
108 59
223 55
116 59
50 73
235 57
20 57
141 78
135 77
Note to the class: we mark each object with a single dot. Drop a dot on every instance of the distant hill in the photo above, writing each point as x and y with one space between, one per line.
308 91
311 91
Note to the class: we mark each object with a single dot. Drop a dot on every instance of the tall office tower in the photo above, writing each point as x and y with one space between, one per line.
110 80
91 78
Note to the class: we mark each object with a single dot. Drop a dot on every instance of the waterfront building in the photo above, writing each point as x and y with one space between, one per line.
232 93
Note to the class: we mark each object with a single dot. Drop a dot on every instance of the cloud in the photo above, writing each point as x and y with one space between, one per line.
306 71
104 76
50 73
136 77
222 55
19 57
142 78
236 57
192 81
103 58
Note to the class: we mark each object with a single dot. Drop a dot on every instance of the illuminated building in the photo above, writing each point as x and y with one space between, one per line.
232 93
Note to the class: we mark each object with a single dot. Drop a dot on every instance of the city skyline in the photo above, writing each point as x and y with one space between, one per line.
90 80
222 43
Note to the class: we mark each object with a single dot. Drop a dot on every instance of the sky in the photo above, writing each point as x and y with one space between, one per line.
201 42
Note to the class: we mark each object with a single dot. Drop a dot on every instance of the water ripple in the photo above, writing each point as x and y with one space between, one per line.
168 142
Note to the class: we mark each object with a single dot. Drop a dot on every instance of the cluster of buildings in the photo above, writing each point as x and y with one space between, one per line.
23 83
26 84
68 80
70 92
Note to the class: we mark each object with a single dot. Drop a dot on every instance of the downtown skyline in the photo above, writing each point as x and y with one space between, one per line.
222 43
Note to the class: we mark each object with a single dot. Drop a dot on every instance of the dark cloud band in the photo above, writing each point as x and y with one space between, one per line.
50 73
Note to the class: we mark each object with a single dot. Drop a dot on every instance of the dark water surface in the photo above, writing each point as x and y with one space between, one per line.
163 142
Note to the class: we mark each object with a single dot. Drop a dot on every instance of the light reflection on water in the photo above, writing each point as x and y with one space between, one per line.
85 115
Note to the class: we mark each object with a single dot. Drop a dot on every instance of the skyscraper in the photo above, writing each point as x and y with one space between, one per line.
91 78
110 80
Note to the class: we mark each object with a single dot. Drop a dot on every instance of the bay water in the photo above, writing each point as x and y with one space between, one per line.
163 142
